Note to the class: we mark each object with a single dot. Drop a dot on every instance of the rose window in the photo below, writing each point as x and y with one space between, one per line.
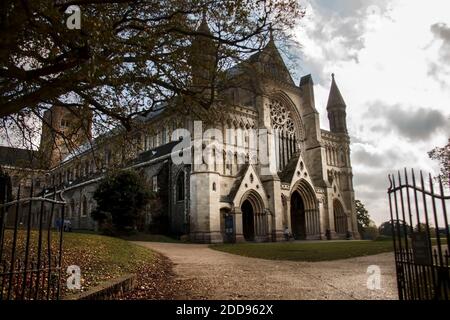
281 118
290 126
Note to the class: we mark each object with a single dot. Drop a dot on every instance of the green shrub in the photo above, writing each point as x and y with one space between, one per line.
121 199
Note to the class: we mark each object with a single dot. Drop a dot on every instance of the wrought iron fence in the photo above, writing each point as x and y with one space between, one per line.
31 245
420 232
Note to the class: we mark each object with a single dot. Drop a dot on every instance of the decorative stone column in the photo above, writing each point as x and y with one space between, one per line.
268 218
238 229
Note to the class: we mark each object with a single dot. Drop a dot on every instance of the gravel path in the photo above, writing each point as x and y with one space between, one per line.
220 275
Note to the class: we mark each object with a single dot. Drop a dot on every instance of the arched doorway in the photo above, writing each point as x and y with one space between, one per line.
255 218
298 216
305 217
248 221
340 218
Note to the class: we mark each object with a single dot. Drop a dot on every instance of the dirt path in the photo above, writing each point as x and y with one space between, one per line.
219 275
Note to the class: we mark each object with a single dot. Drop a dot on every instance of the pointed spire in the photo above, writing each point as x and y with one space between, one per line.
270 49
335 98
271 42
202 57
204 24
204 10
336 109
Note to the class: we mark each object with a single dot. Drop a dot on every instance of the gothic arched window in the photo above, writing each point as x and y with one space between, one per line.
84 207
285 139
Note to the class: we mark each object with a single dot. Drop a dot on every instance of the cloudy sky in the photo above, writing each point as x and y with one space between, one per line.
392 65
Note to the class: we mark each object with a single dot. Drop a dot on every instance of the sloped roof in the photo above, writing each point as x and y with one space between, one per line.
237 183
157 152
268 61
153 113
288 173
22 158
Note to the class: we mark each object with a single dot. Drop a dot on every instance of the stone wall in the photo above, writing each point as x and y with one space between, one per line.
110 290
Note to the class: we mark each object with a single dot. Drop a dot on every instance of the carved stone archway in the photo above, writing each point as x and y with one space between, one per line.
255 220
305 216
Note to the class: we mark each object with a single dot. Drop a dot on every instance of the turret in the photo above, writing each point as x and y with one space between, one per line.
336 109
202 58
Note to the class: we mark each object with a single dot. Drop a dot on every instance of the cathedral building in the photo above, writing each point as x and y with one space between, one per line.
306 184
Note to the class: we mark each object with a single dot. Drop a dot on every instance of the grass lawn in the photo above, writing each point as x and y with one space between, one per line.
100 258
304 251
103 258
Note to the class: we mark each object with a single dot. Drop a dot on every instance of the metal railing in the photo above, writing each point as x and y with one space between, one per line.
31 246
420 232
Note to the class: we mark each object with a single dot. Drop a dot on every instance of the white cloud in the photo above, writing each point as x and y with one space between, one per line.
389 54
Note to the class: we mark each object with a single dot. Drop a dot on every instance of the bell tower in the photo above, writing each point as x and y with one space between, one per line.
64 130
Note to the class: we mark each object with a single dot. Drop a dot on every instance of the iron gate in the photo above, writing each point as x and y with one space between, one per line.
420 232
31 239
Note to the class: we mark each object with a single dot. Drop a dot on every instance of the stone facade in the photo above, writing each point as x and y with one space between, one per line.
306 186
